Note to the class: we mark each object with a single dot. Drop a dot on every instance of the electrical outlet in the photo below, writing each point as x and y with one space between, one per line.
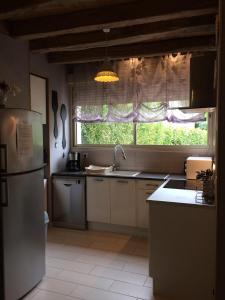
85 155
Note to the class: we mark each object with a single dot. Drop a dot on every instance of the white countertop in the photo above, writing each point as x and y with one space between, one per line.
176 196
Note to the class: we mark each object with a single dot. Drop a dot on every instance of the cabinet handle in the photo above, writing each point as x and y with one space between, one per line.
122 181
67 184
99 179
151 184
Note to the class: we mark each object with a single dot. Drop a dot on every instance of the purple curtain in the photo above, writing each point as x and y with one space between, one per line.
148 91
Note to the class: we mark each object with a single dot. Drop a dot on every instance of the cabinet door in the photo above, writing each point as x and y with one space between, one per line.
202 80
61 199
69 201
144 188
122 202
143 208
98 207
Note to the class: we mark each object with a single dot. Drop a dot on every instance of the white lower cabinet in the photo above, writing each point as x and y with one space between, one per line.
98 199
144 188
119 201
142 208
122 202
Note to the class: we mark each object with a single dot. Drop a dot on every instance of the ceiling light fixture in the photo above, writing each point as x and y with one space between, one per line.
106 75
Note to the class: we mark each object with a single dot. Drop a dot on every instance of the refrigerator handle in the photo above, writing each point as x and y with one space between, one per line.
4 192
3 158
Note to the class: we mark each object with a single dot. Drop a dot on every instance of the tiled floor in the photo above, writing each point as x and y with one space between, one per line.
92 265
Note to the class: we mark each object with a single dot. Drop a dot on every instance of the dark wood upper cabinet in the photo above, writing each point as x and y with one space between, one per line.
203 81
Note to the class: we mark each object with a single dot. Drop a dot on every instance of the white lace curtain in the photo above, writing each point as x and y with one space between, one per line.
147 90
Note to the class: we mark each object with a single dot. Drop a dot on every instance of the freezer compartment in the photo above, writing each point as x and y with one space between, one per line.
23 233
69 204
21 141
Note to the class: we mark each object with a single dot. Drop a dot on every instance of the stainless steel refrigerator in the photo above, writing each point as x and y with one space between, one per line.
22 235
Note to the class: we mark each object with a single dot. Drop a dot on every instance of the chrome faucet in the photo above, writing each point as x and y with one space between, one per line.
115 161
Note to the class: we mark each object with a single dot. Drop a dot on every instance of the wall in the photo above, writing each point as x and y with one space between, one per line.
14 69
142 158
57 81
16 63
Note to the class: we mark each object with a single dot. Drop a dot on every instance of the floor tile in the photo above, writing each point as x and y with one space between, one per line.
94 265
31 294
149 282
96 233
131 258
105 246
131 290
52 272
137 267
89 280
44 295
78 240
54 246
57 286
102 261
63 254
88 293
69 265
82 250
141 252
119 275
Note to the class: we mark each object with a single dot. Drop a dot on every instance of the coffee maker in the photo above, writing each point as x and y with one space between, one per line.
73 163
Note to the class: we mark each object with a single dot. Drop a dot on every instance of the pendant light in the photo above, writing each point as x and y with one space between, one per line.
106 75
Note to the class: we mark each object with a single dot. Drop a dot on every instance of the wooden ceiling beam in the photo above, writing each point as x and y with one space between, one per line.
198 26
15 8
136 50
4 29
116 16
24 9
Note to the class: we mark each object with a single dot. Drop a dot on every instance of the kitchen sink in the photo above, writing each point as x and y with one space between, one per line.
124 173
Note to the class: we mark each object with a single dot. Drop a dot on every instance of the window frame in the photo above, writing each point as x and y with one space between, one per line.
168 148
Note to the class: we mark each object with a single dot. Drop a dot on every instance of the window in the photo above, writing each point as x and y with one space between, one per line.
143 108
158 133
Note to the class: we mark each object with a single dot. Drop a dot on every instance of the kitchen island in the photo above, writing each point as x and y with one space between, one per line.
182 238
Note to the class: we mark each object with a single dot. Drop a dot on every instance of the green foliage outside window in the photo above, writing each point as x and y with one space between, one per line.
107 133
161 133
166 134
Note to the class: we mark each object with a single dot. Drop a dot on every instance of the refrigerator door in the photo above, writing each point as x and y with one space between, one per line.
21 141
23 233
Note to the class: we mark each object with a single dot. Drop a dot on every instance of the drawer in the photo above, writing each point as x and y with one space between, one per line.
149 184
96 179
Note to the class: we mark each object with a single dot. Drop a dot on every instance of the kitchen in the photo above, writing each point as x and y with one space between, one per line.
23 56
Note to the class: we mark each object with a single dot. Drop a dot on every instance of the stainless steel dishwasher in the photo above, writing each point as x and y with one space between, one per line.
69 203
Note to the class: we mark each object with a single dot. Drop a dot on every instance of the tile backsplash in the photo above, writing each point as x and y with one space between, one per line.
142 158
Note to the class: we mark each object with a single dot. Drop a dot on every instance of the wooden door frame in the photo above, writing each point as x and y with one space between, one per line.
220 185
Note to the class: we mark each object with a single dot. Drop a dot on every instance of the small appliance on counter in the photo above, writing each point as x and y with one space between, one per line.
197 163
73 163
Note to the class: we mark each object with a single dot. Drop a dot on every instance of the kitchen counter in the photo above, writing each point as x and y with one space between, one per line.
70 174
176 196
162 194
182 239
140 175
